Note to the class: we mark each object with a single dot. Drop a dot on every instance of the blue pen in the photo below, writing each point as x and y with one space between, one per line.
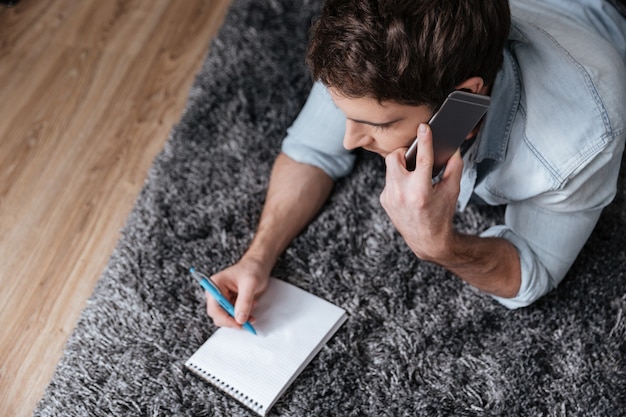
212 289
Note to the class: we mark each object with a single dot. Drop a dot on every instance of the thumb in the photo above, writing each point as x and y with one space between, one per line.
245 301
395 163
454 167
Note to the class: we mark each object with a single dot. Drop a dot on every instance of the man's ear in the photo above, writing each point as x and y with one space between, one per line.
474 85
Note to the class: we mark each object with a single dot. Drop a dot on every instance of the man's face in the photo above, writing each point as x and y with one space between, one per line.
380 128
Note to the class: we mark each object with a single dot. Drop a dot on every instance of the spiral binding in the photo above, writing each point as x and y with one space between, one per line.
235 393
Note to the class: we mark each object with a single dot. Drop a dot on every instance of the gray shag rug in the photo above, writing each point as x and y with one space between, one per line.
418 340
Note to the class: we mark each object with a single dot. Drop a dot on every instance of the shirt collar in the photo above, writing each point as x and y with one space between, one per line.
493 137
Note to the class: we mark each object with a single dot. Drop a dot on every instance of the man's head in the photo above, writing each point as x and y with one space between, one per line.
412 52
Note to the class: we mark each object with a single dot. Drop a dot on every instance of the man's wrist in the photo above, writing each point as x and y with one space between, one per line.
261 257
442 251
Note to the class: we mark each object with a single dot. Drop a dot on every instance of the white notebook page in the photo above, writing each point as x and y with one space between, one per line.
292 327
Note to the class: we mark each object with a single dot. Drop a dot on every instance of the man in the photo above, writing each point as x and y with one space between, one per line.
549 148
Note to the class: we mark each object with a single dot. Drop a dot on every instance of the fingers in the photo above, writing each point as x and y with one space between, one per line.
424 159
245 301
220 317
396 164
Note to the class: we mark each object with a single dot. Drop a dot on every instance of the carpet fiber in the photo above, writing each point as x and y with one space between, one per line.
418 340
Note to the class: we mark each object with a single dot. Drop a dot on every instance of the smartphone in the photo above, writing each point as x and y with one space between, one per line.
454 120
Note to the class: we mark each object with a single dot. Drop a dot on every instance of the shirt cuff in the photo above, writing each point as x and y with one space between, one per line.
536 280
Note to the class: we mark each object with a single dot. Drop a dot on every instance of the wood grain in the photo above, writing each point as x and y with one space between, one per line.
89 92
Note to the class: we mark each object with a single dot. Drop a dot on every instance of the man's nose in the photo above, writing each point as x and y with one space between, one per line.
356 136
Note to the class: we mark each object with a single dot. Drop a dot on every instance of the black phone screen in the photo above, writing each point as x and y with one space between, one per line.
450 125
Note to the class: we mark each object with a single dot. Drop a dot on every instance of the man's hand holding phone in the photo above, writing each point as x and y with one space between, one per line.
420 208
423 212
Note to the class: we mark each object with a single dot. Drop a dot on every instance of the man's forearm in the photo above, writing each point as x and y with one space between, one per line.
295 194
489 264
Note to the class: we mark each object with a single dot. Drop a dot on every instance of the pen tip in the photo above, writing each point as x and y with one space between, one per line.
192 270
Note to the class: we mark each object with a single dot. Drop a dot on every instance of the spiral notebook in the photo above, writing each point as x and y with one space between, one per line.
292 325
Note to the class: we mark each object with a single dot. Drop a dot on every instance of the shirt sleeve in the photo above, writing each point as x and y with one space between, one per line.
550 230
316 136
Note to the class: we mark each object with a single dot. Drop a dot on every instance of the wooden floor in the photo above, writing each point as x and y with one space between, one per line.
89 91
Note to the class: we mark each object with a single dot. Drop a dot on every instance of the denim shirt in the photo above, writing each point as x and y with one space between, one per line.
550 146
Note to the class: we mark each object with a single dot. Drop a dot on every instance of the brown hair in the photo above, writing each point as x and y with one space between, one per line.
408 51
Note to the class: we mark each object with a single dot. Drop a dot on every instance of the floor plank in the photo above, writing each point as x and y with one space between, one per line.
88 94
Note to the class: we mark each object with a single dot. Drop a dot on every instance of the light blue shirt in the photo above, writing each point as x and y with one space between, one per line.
550 146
